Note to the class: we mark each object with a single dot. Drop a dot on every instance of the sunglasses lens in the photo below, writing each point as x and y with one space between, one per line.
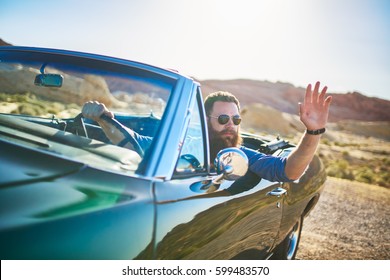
223 119
236 120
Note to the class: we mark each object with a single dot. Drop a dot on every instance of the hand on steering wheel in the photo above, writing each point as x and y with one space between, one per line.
98 112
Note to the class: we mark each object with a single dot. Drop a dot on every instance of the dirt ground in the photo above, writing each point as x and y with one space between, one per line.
350 222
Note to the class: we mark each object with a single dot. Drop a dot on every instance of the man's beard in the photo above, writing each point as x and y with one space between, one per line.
218 141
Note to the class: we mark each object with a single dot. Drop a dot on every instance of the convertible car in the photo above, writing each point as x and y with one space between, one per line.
66 192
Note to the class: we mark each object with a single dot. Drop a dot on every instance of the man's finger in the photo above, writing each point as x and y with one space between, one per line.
328 100
308 95
109 114
315 92
321 96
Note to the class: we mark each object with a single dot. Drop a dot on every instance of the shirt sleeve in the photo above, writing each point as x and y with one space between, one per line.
265 166
143 141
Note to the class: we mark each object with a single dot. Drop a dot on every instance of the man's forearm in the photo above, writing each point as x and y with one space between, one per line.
300 158
112 132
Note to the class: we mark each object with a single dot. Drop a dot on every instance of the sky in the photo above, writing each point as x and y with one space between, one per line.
345 44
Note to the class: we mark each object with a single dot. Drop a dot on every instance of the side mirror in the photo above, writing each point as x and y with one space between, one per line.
231 164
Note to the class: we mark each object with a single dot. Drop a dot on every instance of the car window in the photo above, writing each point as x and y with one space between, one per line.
45 92
192 156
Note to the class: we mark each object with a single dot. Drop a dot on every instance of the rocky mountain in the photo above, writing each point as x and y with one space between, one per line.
3 43
284 97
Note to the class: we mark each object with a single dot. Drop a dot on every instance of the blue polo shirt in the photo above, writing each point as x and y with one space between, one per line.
261 166
265 166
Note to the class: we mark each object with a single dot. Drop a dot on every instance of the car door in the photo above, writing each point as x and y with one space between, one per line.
91 214
195 221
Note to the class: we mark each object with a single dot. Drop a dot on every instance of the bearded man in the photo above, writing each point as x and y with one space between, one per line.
223 115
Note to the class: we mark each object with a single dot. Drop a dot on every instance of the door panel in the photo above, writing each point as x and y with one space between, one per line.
196 226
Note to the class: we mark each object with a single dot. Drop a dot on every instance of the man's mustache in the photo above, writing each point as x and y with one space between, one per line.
227 130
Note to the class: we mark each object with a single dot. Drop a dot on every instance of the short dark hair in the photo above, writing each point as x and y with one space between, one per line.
223 96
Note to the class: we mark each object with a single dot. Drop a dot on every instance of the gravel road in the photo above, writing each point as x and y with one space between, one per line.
350 222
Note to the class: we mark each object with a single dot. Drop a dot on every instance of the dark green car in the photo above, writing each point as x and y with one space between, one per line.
66 192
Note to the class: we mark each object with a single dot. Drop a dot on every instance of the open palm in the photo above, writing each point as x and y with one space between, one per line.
314 110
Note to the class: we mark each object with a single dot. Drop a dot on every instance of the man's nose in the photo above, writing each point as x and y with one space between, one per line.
230 122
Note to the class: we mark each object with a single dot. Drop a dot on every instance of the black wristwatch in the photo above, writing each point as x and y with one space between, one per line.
315 132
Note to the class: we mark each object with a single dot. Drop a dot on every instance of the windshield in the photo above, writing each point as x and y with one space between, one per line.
50 89
20 94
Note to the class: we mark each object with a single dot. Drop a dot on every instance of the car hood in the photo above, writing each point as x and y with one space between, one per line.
20 165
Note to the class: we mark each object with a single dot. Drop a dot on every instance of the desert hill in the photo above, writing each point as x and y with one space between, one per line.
262 119
3 43
285 97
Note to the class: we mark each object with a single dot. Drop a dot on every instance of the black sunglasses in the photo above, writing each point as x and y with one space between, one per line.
224 119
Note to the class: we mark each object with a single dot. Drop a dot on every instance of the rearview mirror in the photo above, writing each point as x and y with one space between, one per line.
48 80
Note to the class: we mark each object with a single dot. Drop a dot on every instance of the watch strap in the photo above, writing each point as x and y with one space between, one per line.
315 132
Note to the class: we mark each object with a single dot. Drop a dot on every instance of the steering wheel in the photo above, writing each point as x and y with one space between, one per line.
79 127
